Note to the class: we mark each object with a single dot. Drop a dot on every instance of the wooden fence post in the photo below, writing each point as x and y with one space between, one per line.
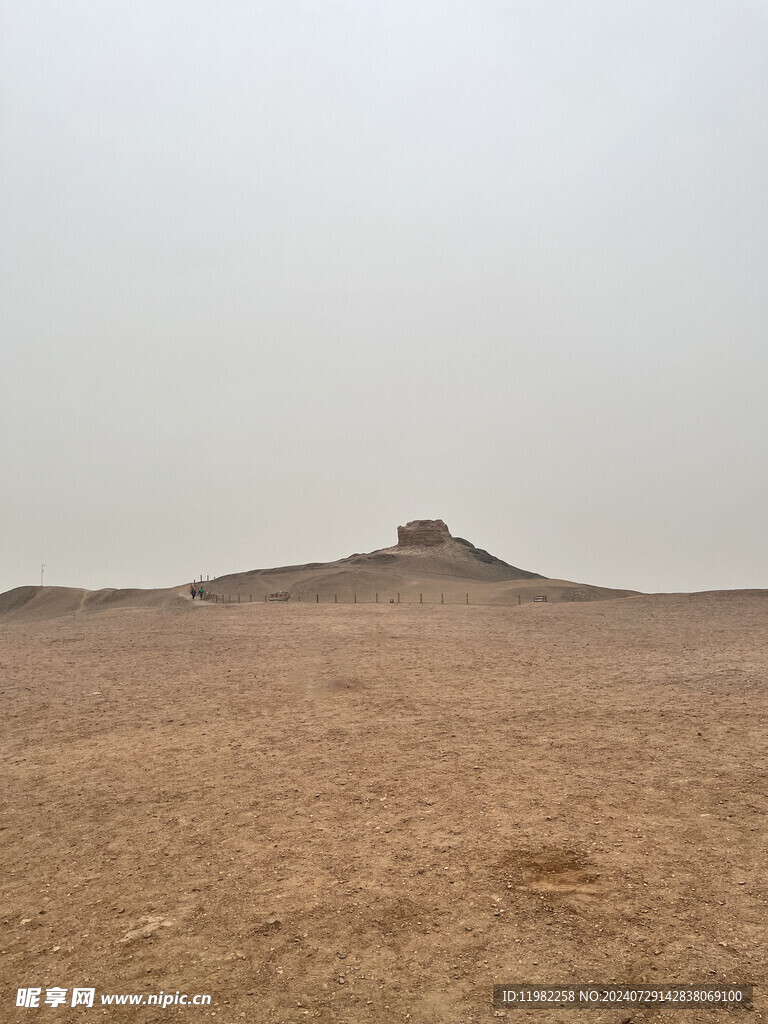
398 597
421 599
467 598
238 597
377 597
355 601
441 599
335 598
317 599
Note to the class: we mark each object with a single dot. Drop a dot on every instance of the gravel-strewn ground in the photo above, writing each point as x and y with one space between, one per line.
360 813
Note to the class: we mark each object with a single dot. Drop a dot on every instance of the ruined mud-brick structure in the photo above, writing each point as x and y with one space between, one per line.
422 533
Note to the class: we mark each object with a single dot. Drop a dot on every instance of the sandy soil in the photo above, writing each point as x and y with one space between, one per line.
374 813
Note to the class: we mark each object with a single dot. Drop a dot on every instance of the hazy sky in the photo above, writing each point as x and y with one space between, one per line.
280 275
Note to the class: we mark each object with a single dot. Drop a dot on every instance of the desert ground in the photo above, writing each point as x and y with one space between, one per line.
374 813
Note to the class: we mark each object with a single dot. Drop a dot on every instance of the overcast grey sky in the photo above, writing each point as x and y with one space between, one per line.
279 275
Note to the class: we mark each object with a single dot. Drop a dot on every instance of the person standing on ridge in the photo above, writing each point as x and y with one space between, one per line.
200 593
192 591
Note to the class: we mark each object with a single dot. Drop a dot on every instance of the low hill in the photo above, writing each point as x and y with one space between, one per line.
52 602
426 561
427 564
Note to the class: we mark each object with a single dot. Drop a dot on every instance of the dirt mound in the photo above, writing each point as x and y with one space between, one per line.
426 566
27 603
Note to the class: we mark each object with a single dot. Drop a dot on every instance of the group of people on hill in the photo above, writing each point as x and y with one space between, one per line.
199 593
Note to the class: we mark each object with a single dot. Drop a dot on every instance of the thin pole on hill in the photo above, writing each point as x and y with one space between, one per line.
398 597
519 599
421 599
355 601
299 598
377 597
238 597
467 598
441 599
317 599
335 598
